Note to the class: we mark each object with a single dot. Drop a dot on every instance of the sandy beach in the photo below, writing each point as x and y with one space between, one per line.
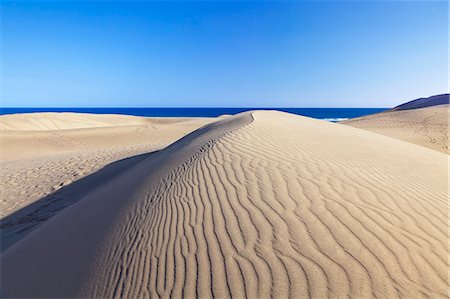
259 204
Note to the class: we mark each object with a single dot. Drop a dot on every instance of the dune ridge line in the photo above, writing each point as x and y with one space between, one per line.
262 204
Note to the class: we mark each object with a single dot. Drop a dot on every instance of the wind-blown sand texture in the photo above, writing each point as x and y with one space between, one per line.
51 160
260 204
46 134
425 126
50 121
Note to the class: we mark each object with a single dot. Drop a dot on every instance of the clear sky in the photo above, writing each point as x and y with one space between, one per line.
222 54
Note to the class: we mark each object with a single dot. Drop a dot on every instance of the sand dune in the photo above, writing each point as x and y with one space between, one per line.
65 120
259 204
46 134
441 99
46 169
425 126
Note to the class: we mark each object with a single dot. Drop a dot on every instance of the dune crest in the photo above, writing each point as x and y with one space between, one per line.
45 169
441 99
259 204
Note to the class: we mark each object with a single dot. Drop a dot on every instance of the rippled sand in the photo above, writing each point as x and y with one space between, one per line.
259 204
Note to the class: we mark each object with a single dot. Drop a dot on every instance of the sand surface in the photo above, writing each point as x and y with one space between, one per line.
259 204
46 134
427 127
50 121
50 160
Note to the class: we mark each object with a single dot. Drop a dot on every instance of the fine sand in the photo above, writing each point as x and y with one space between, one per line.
46 134
259 204
427 126
51 160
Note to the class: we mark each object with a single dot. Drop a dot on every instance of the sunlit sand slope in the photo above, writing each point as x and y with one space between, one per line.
65 120
257 205
425 126
46 134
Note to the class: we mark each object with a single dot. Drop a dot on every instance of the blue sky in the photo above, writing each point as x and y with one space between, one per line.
222 54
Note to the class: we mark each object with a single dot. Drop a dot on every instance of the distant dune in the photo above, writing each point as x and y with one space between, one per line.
42 134
427 126
65 120
442 99
255 205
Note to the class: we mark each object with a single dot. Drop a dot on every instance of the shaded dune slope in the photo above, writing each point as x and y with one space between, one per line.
441 99
260 204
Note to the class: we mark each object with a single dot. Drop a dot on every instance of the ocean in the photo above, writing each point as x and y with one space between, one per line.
330 114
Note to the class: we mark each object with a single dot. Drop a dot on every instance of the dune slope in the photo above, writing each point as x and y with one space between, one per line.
257 205
427 127
47 121
45 169
47 134
441 99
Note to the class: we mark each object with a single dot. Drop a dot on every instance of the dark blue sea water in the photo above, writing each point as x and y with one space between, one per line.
331 114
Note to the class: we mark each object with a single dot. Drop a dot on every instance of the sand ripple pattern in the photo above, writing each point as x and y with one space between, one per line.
426 126
274 209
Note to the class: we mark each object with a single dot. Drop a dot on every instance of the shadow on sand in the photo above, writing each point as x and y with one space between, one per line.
16 226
